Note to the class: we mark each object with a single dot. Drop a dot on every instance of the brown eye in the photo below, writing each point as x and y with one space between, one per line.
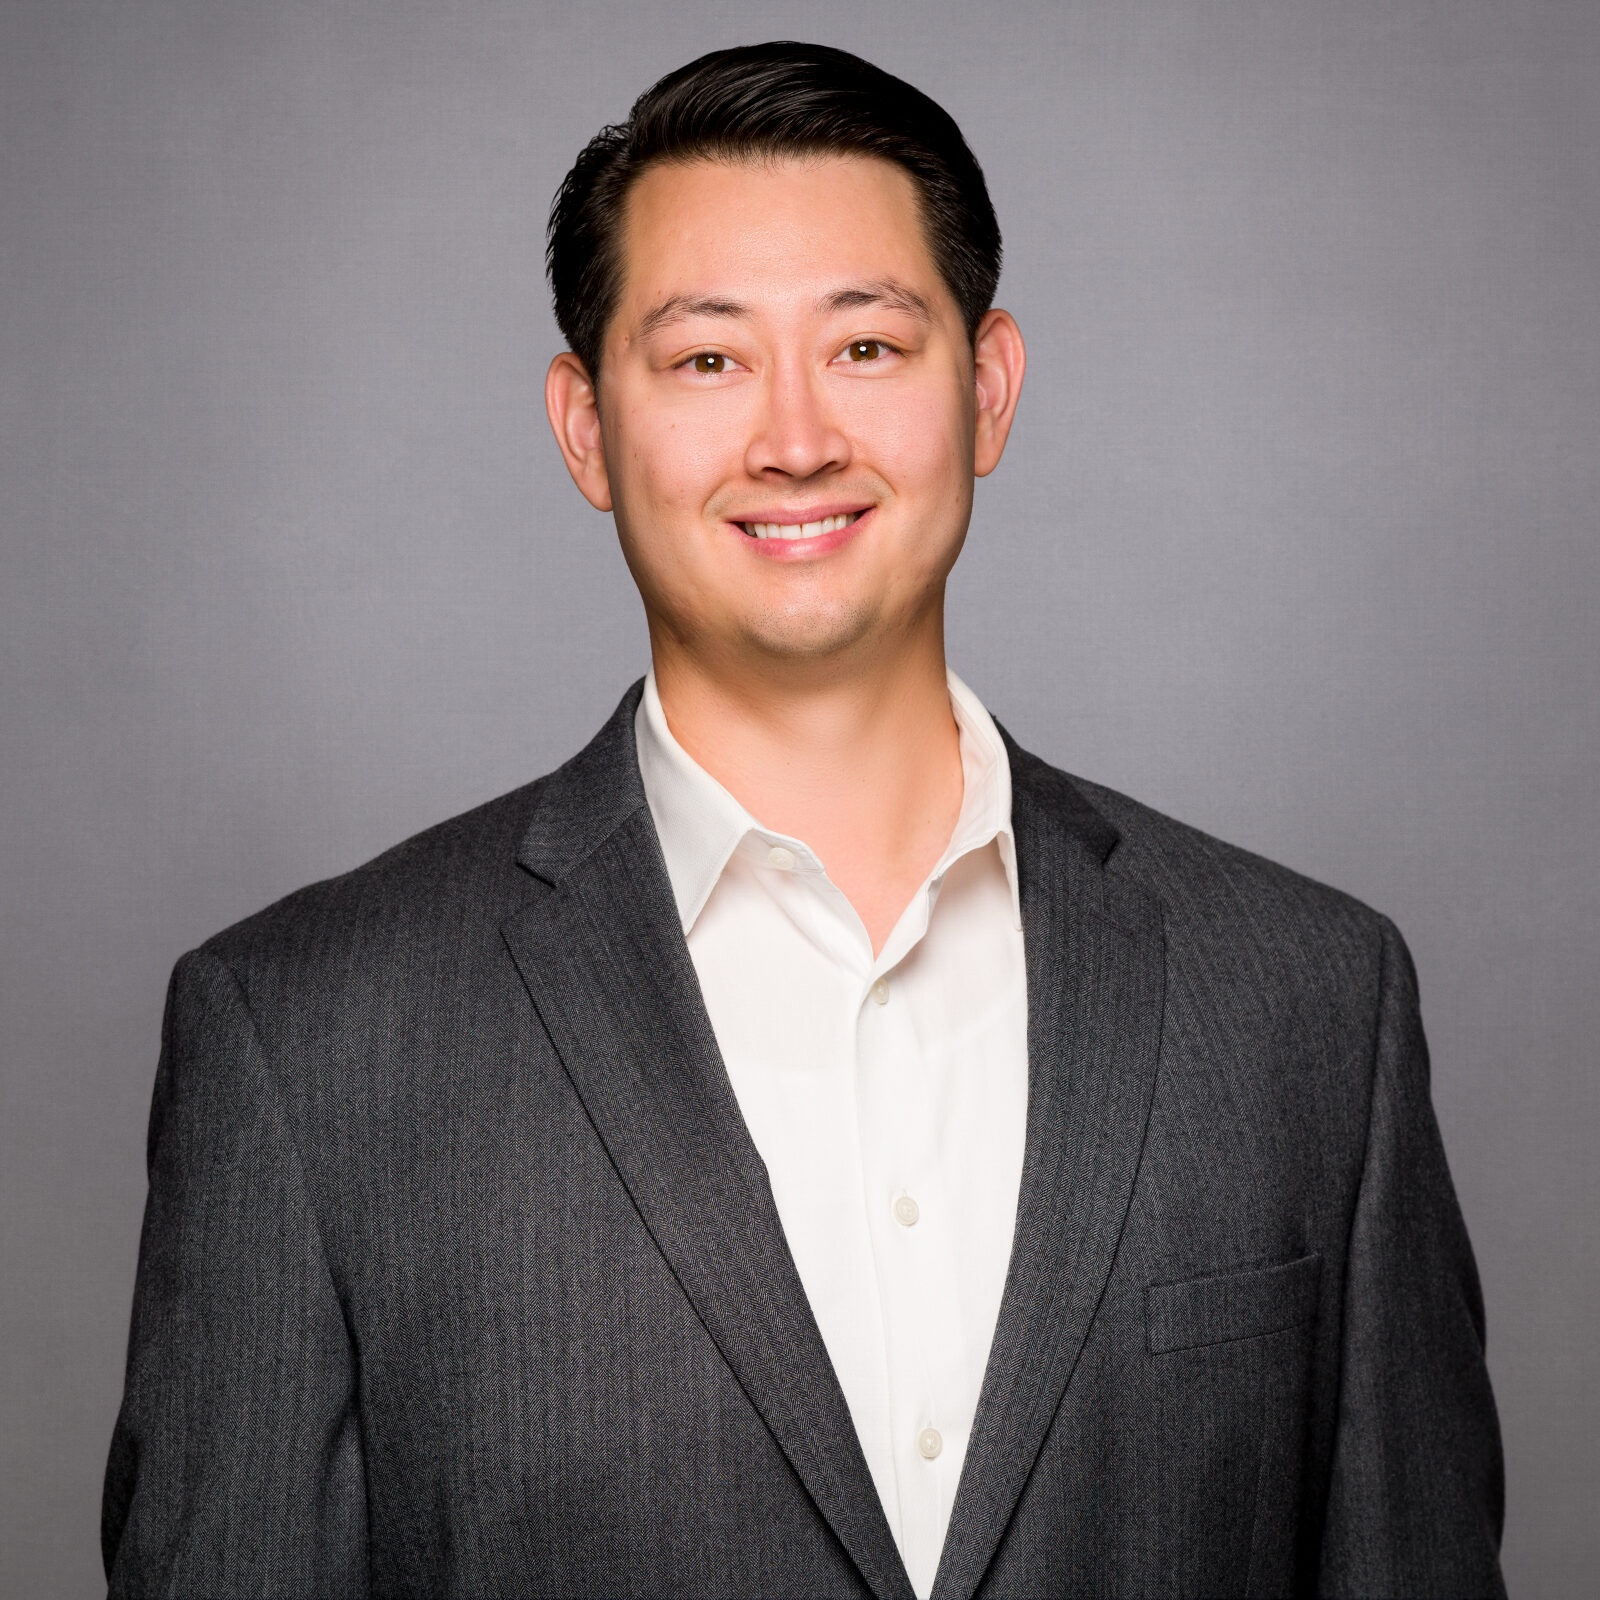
710 361
865 350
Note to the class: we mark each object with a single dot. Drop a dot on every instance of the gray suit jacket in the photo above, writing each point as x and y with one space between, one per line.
461 1275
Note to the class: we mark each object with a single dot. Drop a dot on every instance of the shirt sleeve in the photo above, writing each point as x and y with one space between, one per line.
236 1463
1415 1499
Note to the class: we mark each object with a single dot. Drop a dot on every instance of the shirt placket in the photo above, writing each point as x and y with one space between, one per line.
910 1231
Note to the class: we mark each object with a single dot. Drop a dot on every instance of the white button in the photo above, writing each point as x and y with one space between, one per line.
929 1443
880 991
781 857
906 1211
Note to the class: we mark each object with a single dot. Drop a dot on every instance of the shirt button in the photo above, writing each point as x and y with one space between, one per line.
929 1443
781 857
906 1211
880 991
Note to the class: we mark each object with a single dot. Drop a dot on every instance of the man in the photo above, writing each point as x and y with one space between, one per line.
806 1145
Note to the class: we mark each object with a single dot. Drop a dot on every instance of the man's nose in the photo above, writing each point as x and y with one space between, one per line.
797 434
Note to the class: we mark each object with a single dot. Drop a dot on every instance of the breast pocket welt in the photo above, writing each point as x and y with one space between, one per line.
1223 1306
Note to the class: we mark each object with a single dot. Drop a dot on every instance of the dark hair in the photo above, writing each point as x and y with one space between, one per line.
761 101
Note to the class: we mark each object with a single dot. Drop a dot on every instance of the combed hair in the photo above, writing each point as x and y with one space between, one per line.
756 102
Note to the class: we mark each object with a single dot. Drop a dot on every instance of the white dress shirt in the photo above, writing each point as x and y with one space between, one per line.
888 1097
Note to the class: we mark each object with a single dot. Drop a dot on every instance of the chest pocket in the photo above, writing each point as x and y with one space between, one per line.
1231 1305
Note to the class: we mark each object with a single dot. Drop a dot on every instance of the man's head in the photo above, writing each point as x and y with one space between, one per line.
775 279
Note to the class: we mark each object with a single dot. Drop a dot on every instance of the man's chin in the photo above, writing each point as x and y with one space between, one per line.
811 636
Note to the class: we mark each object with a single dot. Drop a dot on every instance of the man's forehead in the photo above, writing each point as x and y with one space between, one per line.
717 238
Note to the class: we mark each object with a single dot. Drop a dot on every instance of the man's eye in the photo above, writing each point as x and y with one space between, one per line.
710 362
865 350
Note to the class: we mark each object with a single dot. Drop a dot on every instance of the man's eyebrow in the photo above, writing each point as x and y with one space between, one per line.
676 307
881 292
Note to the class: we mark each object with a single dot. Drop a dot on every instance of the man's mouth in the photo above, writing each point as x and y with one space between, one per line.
799 530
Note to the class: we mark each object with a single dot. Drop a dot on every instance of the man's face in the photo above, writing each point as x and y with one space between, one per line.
784 360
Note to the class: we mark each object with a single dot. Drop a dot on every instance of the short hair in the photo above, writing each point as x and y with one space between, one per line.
756 102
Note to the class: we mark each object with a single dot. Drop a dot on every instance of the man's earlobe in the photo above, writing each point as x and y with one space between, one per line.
572 405
999 361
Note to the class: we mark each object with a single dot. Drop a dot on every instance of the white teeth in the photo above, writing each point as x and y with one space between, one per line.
800 530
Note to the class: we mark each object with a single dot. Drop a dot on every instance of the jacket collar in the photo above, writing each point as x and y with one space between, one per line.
580 805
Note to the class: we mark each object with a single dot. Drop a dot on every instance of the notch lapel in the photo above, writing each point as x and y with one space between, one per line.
602 952
1096 981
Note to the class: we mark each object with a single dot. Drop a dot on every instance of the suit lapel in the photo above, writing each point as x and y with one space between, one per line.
1095 973
602 952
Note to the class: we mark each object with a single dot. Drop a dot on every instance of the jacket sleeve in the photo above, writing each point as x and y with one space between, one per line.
236 1466
1416 1493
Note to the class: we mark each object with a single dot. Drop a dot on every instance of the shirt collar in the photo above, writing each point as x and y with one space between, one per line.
700 824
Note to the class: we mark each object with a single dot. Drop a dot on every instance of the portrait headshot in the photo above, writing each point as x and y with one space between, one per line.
800 800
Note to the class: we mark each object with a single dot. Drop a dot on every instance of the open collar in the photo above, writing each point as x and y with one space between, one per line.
700 824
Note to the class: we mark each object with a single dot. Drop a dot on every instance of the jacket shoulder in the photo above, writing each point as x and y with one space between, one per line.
462 868
1229 906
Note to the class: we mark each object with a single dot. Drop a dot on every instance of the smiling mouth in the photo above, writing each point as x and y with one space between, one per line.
799 530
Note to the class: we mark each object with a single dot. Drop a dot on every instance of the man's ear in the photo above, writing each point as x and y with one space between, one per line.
569 402
999 360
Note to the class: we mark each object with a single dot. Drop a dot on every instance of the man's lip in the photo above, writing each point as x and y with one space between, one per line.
775 548
789 519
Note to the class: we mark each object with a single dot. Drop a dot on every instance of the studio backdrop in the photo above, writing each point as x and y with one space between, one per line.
1296 539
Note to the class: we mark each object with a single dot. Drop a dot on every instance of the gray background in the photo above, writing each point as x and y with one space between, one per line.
1297 540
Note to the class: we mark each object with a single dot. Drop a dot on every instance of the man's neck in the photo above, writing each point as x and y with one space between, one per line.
862 763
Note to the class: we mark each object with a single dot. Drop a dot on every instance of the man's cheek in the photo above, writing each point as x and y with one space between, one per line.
687 457
912 435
